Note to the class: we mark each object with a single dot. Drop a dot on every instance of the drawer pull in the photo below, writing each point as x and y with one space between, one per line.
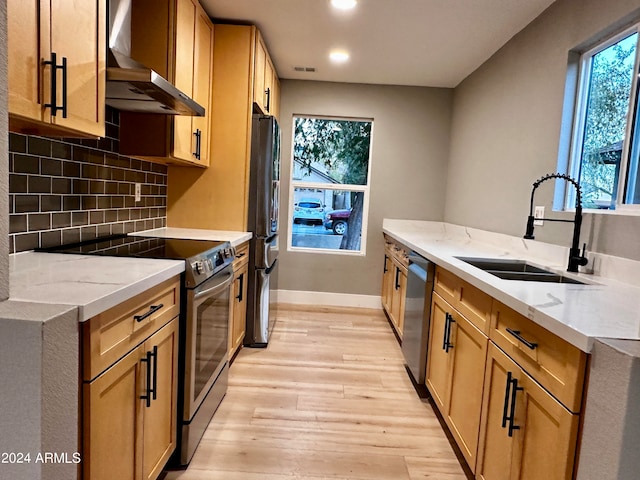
152 309
516 333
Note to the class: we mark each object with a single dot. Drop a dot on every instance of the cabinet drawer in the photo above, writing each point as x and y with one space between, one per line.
472 302
554 363
242 256
109 336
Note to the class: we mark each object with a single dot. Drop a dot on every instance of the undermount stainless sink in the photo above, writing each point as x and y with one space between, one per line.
517 270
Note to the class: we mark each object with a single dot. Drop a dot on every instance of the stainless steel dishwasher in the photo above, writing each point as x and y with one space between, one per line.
417 313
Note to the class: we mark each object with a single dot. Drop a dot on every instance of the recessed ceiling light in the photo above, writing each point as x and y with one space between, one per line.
339 56
344 4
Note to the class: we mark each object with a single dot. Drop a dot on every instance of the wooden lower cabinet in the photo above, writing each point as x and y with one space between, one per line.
387 283
394 284
124 436
398 296
455 367
238 309
542 441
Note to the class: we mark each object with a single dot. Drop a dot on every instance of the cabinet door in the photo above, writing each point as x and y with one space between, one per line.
75 31
185 42
25 39
260 64
160 416
546 441
468 346
541 444
268 86
438 359
202 79
398 293
78 32
387 283
113 421
239 312
274 107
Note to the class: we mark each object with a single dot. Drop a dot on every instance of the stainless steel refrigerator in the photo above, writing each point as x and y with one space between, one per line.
264 195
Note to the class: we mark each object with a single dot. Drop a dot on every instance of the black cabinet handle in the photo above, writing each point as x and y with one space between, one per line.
268 93
505 408
512 415
516 333
53 105
198 135
154 389
148 389
444 332
241 280
447 344
397 286
385 270
152 378
152 309
510 404
64 87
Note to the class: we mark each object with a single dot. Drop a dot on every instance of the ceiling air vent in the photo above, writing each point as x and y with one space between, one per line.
304 69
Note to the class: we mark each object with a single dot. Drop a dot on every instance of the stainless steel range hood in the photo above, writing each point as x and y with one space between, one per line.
131 86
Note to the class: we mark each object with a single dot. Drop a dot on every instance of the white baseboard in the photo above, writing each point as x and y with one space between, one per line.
328 299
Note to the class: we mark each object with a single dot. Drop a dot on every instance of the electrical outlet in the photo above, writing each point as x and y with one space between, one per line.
538 213
138 192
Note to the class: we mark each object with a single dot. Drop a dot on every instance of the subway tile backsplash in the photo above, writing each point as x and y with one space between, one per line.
70 190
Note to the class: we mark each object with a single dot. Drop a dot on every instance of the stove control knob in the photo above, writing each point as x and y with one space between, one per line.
198 267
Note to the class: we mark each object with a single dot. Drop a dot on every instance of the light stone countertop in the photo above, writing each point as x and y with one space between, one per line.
93 283
235 238
604 308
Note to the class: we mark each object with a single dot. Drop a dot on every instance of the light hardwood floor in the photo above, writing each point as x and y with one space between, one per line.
328 399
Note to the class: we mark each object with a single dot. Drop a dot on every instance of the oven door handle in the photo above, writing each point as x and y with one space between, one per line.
216 288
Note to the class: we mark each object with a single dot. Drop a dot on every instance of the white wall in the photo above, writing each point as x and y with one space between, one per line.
409 161
506 129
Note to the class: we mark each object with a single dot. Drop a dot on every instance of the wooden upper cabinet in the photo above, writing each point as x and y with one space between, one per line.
75 34
177 42
266 89
232 106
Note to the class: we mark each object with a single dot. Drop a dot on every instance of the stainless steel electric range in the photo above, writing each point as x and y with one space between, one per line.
204 322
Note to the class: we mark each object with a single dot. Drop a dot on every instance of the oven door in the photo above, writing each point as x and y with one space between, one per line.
207 336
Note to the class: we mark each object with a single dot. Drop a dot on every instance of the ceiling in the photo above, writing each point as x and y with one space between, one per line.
435 43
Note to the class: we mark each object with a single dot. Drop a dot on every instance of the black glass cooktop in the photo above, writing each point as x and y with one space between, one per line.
134 246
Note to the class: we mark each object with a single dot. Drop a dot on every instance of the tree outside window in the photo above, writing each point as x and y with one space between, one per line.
606 149
330 183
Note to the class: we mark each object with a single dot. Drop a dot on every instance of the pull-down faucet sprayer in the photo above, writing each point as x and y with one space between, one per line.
576 258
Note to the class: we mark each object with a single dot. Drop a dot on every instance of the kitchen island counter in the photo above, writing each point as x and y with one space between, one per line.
605 307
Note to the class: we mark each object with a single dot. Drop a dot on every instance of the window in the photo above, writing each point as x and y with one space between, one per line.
329 194
606 137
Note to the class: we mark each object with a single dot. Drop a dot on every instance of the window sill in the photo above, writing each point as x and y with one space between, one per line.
625 212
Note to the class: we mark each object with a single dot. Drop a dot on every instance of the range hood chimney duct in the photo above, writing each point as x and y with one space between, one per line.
131 86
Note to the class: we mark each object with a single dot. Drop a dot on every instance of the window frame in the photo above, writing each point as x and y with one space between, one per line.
579 118
365 189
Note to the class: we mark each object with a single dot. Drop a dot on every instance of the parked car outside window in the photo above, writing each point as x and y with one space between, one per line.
336 220
309 211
